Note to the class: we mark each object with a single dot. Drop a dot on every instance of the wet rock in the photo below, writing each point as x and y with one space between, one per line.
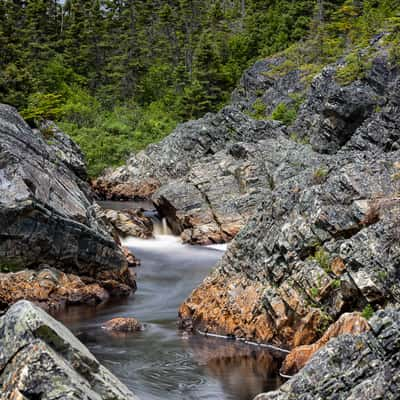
40 358
130 258
129 223
348 323
123 325
49 288
351 367
47 214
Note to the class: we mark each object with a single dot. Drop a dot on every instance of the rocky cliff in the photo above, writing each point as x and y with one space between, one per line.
41 359
324 238
48 218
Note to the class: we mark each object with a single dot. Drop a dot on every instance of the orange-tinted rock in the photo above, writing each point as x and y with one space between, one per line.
351 323
132 260
125 191
338 266
235 306
123 325
49 288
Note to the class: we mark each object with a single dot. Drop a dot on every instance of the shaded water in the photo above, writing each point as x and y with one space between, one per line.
162 362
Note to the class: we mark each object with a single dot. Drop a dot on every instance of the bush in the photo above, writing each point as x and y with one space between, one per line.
284 113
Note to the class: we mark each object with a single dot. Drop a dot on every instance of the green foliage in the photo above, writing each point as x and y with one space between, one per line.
82 62
355 68
367 312
259 109
43 106
284 113
301 140
336 283
314 292
322 258
320 175
9 267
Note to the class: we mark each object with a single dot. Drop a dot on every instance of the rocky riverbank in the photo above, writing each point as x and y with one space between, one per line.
55 248
315 203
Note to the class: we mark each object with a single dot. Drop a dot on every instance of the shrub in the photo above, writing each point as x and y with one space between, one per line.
367 312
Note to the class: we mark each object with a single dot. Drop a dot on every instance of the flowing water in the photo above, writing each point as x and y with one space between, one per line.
161 362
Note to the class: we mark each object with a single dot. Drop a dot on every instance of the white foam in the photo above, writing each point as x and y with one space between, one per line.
158 242
220 246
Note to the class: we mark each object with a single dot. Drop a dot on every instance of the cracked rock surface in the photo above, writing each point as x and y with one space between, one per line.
41 359
47 214
351 367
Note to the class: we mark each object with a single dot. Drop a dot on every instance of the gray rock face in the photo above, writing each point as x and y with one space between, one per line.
361 116
200 161
321 243
41 359
46 212
351 367
265 83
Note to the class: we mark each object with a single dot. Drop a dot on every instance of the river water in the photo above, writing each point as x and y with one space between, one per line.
162 362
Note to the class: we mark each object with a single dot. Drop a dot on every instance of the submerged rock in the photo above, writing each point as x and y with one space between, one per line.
40 358
47 214
351 367
123 325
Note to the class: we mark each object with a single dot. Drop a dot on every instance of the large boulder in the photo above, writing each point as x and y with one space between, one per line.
351 367
47 214
41 359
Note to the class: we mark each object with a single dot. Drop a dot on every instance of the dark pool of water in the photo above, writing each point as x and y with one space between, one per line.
161 362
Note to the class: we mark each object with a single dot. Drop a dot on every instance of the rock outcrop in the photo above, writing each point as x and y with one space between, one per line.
41 359
351 367
50 288
348 323
324 238
129 222
204 171
47 214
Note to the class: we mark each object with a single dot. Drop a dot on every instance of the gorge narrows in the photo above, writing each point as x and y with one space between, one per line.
162 362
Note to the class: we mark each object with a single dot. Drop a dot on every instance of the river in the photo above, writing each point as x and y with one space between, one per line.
162 362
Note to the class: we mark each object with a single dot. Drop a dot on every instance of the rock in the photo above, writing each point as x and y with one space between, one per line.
130 258
351 367
65 149
40 358
276 282
129 223
199 161
270 82
362 115
49 288
317 244
123 325
47 214
348 323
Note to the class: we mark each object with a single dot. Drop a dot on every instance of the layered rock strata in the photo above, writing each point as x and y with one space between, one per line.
41 359
47 214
